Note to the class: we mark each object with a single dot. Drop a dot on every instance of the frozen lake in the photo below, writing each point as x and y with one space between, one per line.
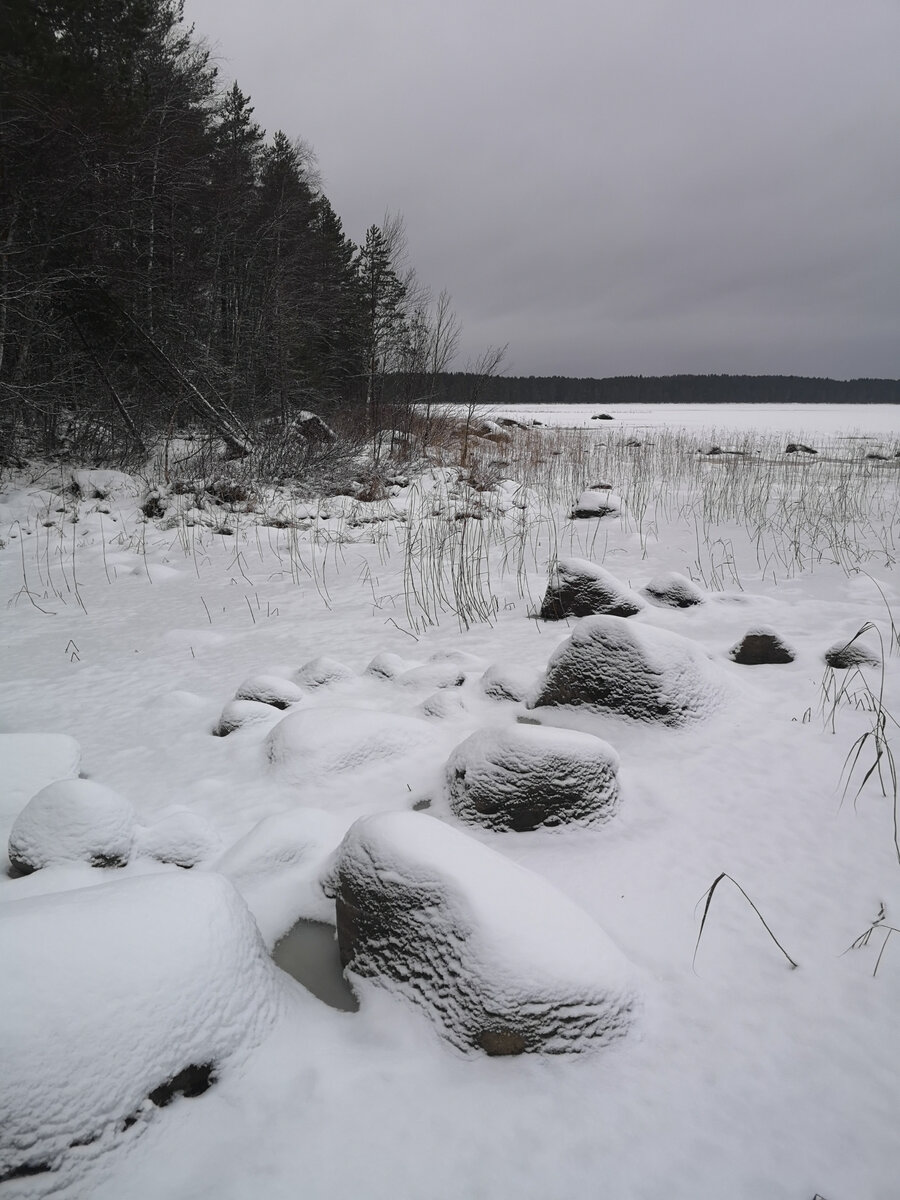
873 420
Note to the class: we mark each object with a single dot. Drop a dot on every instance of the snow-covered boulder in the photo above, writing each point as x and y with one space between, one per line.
504 682
612 665
72 820
597 503
760 646
498 958
433 675
238 713
322 672
311 426
180 837
326 741
672 590
387 666
116 1000
269 689
443 704
101 484
852 653
580 588
527 776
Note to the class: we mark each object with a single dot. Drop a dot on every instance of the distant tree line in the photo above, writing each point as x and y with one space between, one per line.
162 261
670 389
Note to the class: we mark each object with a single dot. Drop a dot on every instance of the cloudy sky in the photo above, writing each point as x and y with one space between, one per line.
610 187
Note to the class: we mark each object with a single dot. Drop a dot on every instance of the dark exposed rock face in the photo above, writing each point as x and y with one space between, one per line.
759 647
674 591
498 959
799 448
616 666
526 777
579 588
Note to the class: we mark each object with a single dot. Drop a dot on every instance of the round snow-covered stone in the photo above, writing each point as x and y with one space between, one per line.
387 666
673 590
117 999
597 504
269 689
180 837
852 653
238 713
443 704
433 675
322 672
324 741
529 776
580 588
498 958
612 665
72 820
503 682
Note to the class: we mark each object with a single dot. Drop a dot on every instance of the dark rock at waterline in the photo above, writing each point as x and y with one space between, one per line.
498 959
580 588
602 417
799 448
611 665
525 777
674 591
759 647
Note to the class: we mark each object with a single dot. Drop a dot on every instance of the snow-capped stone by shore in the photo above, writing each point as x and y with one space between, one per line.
72 820
597 503
109 995
525 777
498 958
580 588
270 689
609 664
673 590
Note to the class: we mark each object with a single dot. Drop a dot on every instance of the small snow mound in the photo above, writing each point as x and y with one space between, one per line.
673 590
443 704
761 646
529 776
323 741
72 820
503 682
851 653
238 713
433 675
593 503
612 665
499 960
110 995
180 837
269 689
387 666
100 485
580 588
322 672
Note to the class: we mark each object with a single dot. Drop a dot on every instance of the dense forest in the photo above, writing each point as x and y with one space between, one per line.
670 389
162 261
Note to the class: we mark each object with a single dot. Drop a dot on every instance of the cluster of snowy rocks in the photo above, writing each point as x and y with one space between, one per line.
427 907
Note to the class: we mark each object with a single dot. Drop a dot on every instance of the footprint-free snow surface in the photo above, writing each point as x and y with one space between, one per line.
556 898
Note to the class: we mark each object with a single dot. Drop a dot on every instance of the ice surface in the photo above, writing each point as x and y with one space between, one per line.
497 957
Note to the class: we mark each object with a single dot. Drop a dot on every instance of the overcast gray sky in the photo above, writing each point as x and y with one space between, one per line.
617 187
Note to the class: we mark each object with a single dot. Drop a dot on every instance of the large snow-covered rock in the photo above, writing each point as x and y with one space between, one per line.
325 741
580 588
500 960
673 590
72 820
526 776
597 502
116 999
612 665
270 689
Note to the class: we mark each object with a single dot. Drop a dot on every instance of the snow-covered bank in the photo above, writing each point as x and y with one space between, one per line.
125 640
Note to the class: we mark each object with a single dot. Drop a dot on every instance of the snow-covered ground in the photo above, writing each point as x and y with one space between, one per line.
155 1050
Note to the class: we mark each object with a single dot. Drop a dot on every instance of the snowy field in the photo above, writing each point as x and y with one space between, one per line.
520 858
